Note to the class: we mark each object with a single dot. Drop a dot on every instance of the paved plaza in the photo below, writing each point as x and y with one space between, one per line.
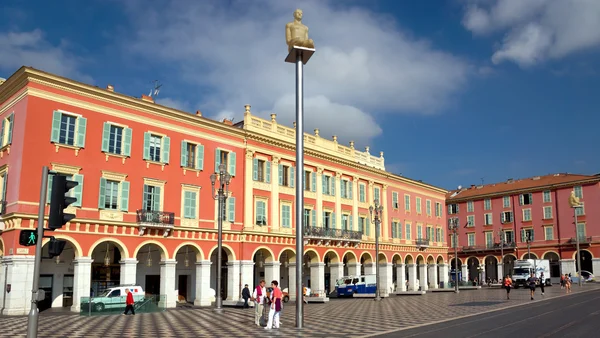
339 317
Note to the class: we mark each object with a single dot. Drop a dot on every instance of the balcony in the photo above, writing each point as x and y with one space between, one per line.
155 220
422 244
336 237
491 247
586 240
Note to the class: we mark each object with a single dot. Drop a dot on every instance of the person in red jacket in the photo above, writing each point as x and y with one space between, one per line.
129 303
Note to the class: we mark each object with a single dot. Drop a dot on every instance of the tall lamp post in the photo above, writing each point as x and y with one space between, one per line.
576 204
453 226
224 179
501 235
376 212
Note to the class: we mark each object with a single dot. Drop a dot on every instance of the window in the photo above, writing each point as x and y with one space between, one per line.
438 235
581 231
192 155
429 233
114 195
452 239
527 234
547 196
471 239
396 230
549 233
261 212
67 129
418 204
190 201
547 212
578 191
525 199
395 200
526 215
509 236
488 219
470 207
328 220
376 194
361 193
156 148
452 209
407 232
471 220
506 201
365 226
116 139
438 209
230 209
407 202
328 185
310 181
3 188
506 217
487 204
580 211
428 207
419 232
227 158
286 175
261 170
346 189
307 217
76 192
346 222
151 198
286 216
489 239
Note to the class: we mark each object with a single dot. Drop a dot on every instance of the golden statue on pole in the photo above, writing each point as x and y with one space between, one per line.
574 200
296 33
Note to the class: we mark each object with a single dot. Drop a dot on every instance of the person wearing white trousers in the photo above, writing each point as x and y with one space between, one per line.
276 306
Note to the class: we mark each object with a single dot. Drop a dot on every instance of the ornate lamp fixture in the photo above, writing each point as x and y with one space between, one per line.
107 256
149 259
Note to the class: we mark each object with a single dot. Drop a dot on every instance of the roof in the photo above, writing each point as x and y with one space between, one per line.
524 184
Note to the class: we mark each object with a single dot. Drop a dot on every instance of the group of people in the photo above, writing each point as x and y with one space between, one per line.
565 282
262 298
532 281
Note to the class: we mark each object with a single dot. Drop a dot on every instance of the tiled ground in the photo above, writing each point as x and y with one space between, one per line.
345 317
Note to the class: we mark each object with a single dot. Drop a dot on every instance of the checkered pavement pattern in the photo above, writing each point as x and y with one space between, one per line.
339 317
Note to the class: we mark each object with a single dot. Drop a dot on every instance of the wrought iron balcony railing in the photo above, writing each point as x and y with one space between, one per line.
488 247
160 218
582 240
422 242
335 234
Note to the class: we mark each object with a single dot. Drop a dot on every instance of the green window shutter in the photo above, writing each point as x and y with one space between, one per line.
49 189
351 222
81 129
284 216
258 212
292 171
124 187
313 179
324 214
2 133
11 122
156 199
193 204
324 184
268 171
78 190
399 232
264 211
147 137
255 169
217 159
105 136
393 230
232 163
342 189
333 223
166 149
231 209
127 141
332 186
280 171
55 134
350 184
313 216
186 204
184 153
102 193
368 232
199 157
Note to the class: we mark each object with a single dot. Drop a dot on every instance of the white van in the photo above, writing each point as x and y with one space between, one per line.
115 297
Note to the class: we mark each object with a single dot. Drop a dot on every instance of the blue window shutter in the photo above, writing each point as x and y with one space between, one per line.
332 186
102 194
313 217
166 149
184 153
55 134
147 137
324 184
292 177
127 141
268 171
255 169
199 157
324 217
231 211
11 122
124 186
313 179
232 163
81 128
217 160
351 221
78 190
49 189
350 184
280 171
333 223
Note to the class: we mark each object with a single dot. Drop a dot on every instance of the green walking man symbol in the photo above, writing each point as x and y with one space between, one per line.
32 238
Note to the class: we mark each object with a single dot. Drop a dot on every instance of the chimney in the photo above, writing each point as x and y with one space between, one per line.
198 113
472 186
227 122
110 88
147 98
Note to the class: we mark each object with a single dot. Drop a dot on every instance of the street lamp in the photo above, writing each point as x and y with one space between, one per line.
221 196
528 240
575 204
501 235
453 226
376 213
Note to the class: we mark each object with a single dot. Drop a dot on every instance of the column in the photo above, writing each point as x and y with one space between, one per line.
386 279
18 273
274 219
500 272
353 269
167 284
338 201
336 271
247 274
369 269
203 292
433 276
444 277
568 266
401 277
317 278
248 190
412 278
82 280
129 271
423 277
464 272
595 266
292 277
319 206
272 272
384 221
355 193
233 280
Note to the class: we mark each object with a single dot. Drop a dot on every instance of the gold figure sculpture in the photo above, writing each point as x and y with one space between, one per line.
574 200
296 33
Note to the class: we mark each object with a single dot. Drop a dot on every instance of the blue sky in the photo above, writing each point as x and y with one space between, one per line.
453 91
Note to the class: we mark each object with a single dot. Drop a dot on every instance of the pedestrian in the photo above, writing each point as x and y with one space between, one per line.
258 296
542 282
562 280
304 294
568 284
246 295
532 280
507 285
129 303
275 307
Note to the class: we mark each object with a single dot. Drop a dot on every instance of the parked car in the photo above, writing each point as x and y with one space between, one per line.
587 277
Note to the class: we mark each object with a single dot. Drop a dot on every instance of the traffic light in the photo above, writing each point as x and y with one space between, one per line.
55 247
28 237
59 201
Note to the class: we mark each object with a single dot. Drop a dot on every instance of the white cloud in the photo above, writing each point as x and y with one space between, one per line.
31 49
536 30
364 64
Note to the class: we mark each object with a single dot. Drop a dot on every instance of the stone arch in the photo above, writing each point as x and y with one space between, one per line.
408 259
268 258
228 250
430 259
574 256
472 259
382 258
530 255
554 259
164 253
490 256
439 260
420 260
120 245
510 254
350 257
313 255
1 247
289 253
335 258
549 253
199 253
367 257
397 259
70 240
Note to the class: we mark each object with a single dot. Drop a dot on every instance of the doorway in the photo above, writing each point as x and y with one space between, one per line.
183 286
152 286
46 283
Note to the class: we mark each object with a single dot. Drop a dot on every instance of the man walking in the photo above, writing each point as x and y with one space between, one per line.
129 303
258 296
246 296
542 282
531 280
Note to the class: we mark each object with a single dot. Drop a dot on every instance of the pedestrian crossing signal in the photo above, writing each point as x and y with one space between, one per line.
28 237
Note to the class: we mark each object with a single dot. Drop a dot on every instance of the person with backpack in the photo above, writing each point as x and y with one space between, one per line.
258 296
507 285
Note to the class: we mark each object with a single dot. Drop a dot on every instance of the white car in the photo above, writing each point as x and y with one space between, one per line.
115 297
587 277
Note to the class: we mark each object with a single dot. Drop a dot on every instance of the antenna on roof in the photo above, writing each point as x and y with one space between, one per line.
154 91
482 180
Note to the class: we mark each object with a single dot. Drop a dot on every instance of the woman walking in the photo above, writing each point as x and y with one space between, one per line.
568 283
276 306
507 285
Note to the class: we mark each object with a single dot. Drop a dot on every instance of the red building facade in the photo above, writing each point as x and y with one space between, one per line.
534 219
